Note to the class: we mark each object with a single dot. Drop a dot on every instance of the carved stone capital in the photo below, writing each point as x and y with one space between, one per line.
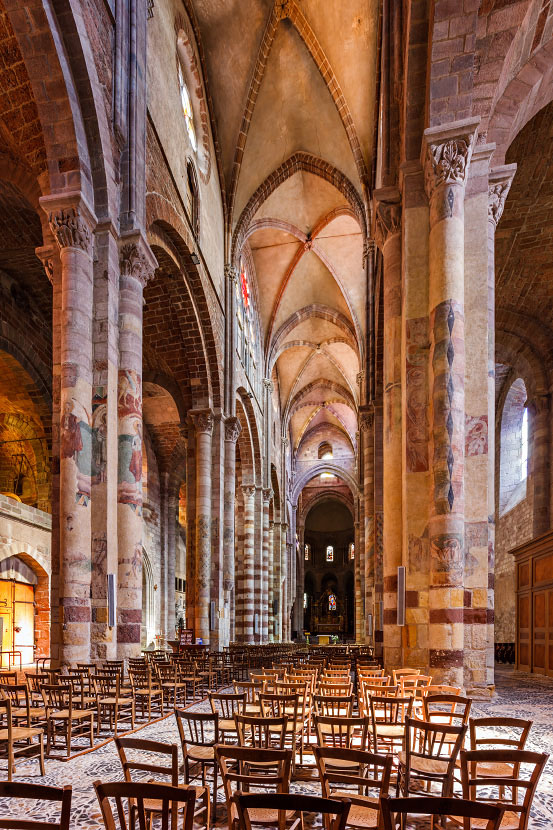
360 377
71 220
46 254
272 525
366 417
233 428
499 184
446 154
387 214
231 273
203 421
283 9
267 494
248 490
368 250
268 384
135 262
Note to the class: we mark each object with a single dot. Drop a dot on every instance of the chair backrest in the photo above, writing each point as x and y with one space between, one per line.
167 753
17 791
227 704
333 705
391 808
237 774
398 673
6 712
414 684
296 803
168 800
265 733
8 677
57 697
367 772
106 685
197 728
441 689
447 709
340 732
335 689
276 706
249 688
18 696
375 680
497 733
477 771
390 710
434 742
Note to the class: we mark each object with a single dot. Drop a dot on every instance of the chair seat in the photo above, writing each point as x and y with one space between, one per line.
114 701
252 709
147 692
390 730
200 753
19 733
341 764
35 712
262 816
76 714
510 821
227 725
360 815
424 766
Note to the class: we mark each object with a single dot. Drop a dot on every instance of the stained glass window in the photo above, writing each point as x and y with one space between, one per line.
305 600
244 313
187 110
329 553
307 552
351 550
332 602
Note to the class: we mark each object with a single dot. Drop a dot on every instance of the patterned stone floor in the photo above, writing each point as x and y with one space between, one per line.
516 695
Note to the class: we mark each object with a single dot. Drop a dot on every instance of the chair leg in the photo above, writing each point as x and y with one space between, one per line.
41 754
91 730
68 736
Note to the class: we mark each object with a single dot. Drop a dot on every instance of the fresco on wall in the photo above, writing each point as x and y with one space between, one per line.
129 474
76 443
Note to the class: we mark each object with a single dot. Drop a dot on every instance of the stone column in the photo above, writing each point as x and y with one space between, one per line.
191 526
172 517
267 496
248 582
203 422
137 265
366 425
388 226
232 432
358 584
271 596
72 223
446 157
283 581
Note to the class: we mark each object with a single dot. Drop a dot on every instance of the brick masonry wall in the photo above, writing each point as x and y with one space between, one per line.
512 529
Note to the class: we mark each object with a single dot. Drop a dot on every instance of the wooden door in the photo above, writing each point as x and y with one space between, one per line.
540 615
24 621
6 615
524 632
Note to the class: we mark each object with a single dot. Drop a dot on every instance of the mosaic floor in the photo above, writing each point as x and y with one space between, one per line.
516 696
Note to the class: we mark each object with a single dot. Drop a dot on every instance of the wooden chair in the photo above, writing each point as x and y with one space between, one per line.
452 709
274 809
35 682
23 713
81 690
441 689
498 733
341 732
368 690
397 674
278 706
199 734
474 774
236 763
110 703
264 733
62 717
147 690
331 689
429 756
369 775
227 706
333 706
251 689
138 796
388 718
17 792
8 677
167 768
174 689
18 740
392 808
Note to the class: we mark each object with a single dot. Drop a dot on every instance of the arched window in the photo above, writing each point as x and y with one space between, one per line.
514 443
351 551
186 104
325 450
246 329
329 553
307 552
332 602
192 197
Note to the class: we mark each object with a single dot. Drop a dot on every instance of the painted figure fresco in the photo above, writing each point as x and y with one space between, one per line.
76 443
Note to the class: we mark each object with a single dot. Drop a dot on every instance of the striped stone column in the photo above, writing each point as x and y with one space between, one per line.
203 422
267 495
232 432
388 237
72 223
137 265
283 581
248 569
446 157
271 595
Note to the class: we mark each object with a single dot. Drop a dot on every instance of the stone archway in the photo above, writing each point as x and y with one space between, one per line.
148 603
26 563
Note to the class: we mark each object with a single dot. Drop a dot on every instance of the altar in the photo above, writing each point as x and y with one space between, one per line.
328 615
